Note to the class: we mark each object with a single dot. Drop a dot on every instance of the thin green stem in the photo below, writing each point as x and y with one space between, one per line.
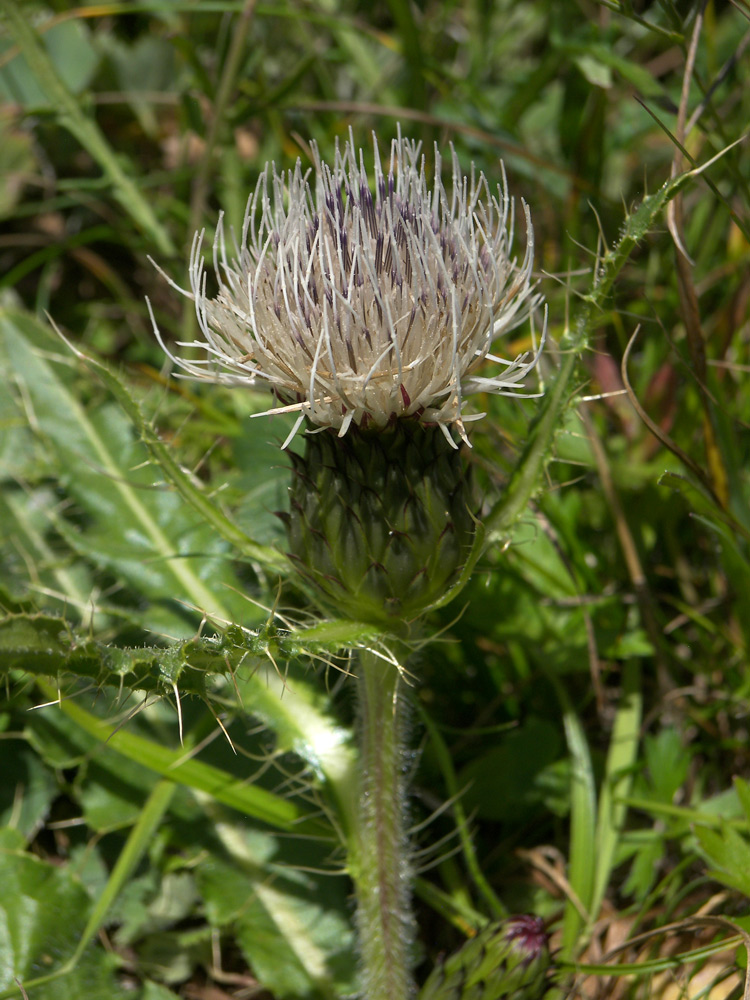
379 863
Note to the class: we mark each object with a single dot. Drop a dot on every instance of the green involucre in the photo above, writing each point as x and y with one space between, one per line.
506 960
381 522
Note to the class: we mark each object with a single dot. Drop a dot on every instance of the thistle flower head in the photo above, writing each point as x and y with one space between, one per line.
506 961
360 304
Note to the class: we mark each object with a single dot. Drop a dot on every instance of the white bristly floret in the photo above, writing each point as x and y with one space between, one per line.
360 306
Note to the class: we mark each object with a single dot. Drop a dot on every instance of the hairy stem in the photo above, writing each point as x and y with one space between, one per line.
379 862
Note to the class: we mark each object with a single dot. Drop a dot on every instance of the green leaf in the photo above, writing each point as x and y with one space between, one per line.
26 543
203 505
155 991
298 943
596 60
143 68
226 788
296 711
69 49
595 71
730 853
137 528
743 793
668 763
46 646
583 823
621 758
43 911
505 784
17 163
26 790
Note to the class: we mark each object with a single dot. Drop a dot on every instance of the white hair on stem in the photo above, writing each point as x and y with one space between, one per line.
361 306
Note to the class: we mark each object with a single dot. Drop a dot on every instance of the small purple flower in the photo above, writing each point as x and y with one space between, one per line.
528 936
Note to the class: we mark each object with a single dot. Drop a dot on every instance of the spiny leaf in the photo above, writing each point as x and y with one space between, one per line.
45 645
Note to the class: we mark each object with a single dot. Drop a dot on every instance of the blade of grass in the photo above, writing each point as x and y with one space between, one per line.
618 779
437 745
412 48
152 813
581 869
225 788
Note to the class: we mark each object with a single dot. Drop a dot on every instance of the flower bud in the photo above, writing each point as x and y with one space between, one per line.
505 960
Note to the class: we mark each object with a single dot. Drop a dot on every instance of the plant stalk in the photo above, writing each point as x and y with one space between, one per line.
379 861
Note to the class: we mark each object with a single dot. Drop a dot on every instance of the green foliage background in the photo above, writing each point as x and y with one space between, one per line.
585 710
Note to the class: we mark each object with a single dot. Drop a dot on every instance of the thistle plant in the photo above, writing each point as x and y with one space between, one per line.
376 301
369 315
369 305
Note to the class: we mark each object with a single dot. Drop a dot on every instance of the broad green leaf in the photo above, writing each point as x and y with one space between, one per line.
167 954
138 528
27 788
185 486
292 927
173 901
32 564
74 58
541 561
294 709
505 784
43 911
